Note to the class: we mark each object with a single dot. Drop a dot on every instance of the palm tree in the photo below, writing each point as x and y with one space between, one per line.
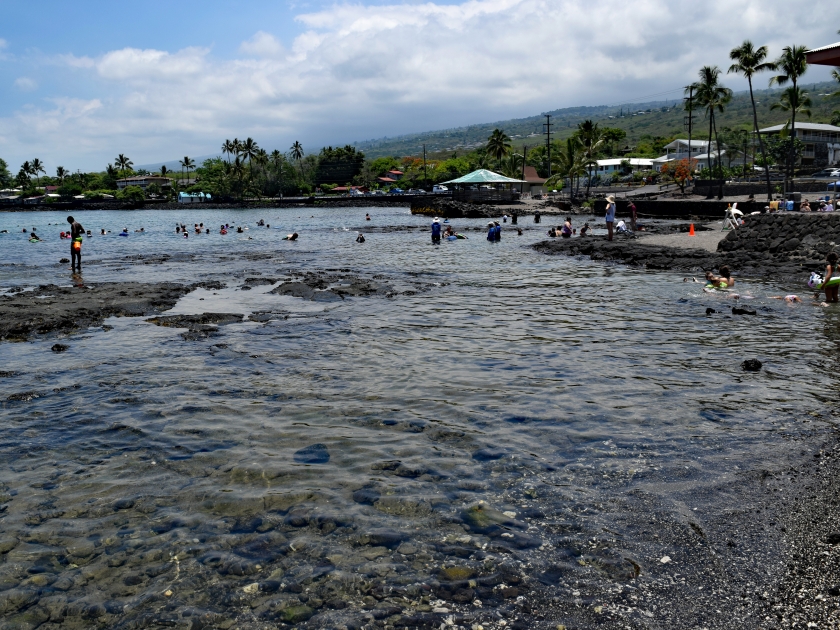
163 170
123 163
714 97
796 101
228 148
570 164
238 170
297 152
498 145
187 163
60 174
591 137
512 166
792 64
37 167
748 61
835 74
249 149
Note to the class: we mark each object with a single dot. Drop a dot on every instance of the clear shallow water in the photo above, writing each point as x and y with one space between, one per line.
578 398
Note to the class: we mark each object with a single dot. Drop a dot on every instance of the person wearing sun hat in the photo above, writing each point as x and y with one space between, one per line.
610 216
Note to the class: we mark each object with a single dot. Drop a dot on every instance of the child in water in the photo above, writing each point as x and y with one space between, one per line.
725 278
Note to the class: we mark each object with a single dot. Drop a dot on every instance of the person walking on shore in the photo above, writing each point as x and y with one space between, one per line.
76 234
632 207
610 216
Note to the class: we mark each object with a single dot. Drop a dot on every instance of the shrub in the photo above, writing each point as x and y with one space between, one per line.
132 194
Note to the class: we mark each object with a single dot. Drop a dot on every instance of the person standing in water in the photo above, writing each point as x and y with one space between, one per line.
436 231
831 272
76 234
609 217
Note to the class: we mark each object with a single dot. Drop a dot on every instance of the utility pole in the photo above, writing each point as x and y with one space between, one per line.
688 121
547 131
524 158
425 175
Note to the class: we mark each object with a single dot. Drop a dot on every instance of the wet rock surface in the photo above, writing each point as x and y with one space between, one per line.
333 286
198 326
53 309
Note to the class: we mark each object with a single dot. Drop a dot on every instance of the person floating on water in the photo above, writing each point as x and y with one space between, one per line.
33 238
723 281
76 232
360 238
291 237
222 230
367 216
436 231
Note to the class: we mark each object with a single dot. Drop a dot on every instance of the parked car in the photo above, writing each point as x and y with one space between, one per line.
414 191
355 192
833 186
827 172
396 191
378 193
439 188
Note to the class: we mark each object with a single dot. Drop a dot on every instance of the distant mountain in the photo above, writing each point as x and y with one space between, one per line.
655 118
174 165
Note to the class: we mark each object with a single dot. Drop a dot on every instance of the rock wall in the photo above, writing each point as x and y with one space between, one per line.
804 237
759 189
666 209
451 209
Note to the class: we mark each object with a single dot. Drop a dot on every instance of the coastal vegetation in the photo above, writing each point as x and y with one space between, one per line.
246 170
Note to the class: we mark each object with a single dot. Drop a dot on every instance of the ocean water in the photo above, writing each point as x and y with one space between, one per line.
493 435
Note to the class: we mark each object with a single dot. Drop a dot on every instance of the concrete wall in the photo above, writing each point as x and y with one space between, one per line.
668 209
759 189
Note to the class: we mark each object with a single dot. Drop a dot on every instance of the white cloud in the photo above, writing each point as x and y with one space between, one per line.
262 44
25 84
3 43
357 72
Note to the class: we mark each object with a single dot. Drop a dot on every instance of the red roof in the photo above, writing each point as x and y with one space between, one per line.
532 177
395 172
386 180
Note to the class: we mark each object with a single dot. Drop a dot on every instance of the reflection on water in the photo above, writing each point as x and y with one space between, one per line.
496 433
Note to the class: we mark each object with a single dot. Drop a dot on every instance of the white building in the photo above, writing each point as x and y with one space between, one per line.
680 150
622 165
143 181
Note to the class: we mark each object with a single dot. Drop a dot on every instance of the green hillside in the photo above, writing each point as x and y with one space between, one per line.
662 119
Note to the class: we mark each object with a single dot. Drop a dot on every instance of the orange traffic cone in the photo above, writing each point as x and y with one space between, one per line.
691 230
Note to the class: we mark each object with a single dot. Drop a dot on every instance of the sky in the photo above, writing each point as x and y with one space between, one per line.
82 82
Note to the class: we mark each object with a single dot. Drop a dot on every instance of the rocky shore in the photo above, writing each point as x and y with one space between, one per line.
778 246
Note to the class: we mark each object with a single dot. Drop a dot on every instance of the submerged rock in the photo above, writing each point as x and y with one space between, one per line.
483 519
751 365
313 454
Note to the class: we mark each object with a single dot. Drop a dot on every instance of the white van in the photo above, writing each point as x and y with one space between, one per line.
439 188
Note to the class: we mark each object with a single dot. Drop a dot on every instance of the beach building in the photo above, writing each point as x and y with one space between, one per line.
822 142
143 181
679 150
534 184
624 166
825 55
193 197
391 177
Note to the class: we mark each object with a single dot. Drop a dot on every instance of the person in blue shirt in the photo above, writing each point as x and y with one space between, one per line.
498 232
609 217
491 232
436 231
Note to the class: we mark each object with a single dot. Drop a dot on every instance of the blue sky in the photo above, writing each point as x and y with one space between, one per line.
82 82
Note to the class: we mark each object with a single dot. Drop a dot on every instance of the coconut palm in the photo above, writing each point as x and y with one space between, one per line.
60 174
835 74
249 149
187 163
123 163
791 65
37 167
748 61
498 145
591 138
714 97
569 164
794 100
512 166
297 152
228 148
237 170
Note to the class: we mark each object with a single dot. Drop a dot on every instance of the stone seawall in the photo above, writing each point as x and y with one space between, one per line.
701 187
804 237
666 209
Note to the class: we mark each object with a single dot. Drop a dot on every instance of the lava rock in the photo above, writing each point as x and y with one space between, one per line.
742 311
752 365
60 347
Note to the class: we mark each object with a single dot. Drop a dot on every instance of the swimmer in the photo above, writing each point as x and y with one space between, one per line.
360 238
519 231
102 231
33 237
724 278
88 233
208 231
186 234
585 230
790 299
692 279
239 230
177 229
291 237
222 230
830 272
267 226
367 217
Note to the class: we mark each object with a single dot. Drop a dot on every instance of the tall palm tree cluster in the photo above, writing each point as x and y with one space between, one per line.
748 60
